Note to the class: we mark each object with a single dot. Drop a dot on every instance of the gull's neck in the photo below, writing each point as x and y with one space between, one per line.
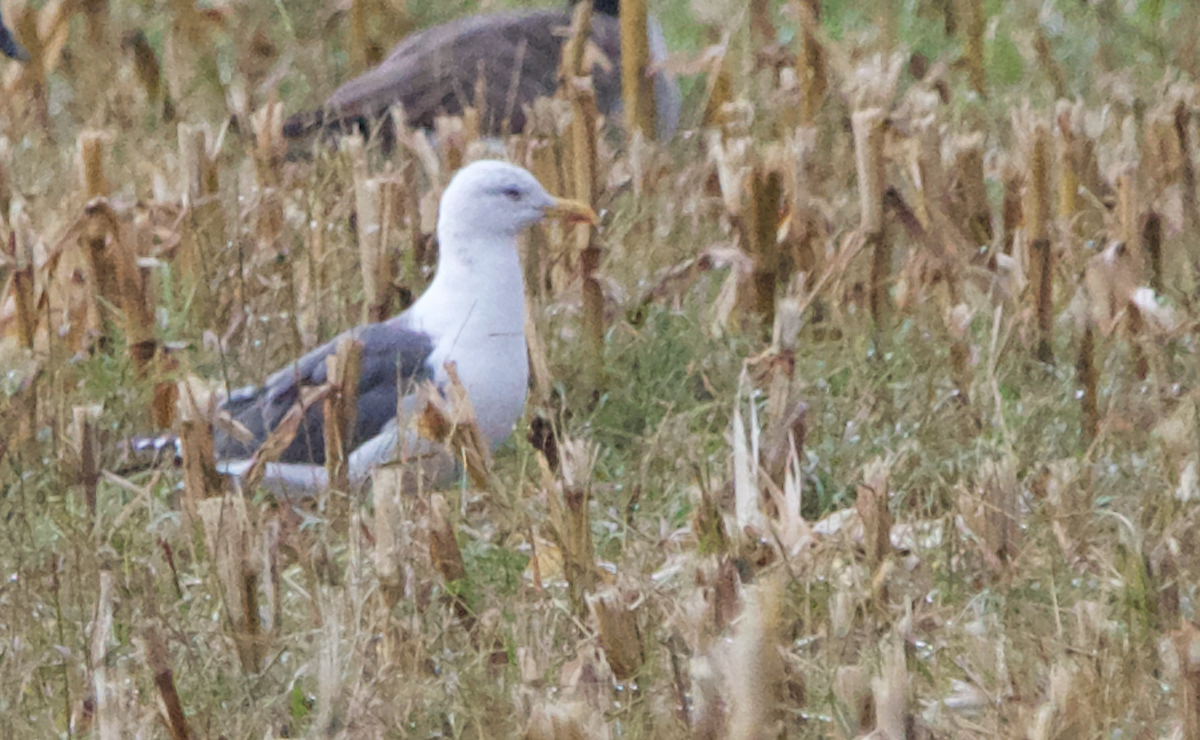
478 283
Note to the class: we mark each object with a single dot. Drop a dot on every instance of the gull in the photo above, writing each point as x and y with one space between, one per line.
471 315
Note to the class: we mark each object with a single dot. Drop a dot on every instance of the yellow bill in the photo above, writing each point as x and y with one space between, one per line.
571 212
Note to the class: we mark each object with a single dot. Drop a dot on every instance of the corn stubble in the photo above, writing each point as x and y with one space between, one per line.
803 464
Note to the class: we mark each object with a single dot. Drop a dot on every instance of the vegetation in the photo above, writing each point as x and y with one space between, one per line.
878 413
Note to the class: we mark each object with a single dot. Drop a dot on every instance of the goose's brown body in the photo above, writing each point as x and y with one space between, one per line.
435 72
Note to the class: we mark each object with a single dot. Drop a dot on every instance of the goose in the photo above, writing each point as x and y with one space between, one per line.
434 72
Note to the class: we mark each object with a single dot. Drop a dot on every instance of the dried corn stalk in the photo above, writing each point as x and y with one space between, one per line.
811 68
973 47
1037 210
585 178
637 87
570 518
203 234
228 535
619 633
341 410
447 557
868 149
269 150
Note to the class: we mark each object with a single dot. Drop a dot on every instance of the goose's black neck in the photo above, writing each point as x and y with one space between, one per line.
9 46
607 7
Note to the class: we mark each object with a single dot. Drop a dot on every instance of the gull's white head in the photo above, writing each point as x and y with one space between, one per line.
494 200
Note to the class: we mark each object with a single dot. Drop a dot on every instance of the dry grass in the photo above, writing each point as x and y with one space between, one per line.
946 490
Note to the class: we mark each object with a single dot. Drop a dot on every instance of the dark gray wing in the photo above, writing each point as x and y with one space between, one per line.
9 45
393 358
433 73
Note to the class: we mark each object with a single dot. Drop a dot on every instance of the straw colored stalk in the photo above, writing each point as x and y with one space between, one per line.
719 88
1010 208
945 262
802 188
370 20
568 503
91 160
387 492
96 13
889 690
157 660
23 292
972 194
812 70
1128 216
572 720
23 404
995 519
283 434
1187 170
619 633
104 689
204 226
450 420
1068 178
543 162
20 412
585 178
269 150
33 74
312 282
761 25
707 523
1045 56
1085 371
408 212
148 70
359 39
228 534
760 226
187 49
973 46
1152 238
569 512
447 557
118 280
637 88
85 447
5 193
93 240
200 478
1187 689
756 671
373 199
934 190
868 149
949 15
1037 211
872 506
451 142
273 584
341 410
852 691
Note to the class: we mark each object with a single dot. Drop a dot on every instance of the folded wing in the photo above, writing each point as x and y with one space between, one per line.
394 357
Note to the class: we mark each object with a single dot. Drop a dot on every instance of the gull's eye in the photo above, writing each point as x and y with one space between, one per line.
513 194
